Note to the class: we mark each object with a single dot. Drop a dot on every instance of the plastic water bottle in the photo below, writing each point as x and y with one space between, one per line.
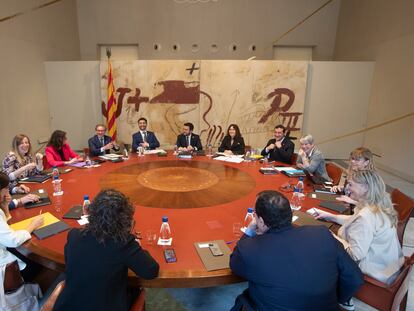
247 156
85 206
296 201
209 150
55 173
249 217
165 231
300 185
88 161
126 155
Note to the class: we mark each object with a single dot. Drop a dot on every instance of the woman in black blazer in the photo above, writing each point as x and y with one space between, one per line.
233 142
98 256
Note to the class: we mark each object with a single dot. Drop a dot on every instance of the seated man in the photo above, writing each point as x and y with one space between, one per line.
291 268
279 148
101 144
144 138
187 141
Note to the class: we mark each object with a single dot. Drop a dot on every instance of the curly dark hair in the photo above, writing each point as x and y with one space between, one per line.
110 217
56 140
274 208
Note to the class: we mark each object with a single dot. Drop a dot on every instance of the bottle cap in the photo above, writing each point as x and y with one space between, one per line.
295 189
250 210
164 218
301 178
86 197
56 177
53 167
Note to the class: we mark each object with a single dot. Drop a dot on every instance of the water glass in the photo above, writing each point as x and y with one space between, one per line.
150 236
237 229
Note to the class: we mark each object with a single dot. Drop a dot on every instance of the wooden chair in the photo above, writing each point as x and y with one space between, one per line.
139 303
404 205
387 297
294 158
334 172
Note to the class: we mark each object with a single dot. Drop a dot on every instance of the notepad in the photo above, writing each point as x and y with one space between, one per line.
213 262
50 230
48 219
35 179
75 212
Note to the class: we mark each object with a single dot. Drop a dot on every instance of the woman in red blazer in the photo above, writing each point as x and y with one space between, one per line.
58 151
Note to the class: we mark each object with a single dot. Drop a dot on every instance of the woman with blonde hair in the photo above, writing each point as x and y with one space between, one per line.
370 235
359 159
20 162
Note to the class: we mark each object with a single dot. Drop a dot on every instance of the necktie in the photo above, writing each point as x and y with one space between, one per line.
188 140
102 141
145 137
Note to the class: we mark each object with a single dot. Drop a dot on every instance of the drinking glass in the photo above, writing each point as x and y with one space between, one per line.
237 229
150 236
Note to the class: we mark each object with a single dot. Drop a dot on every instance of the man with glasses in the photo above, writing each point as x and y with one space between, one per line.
100 143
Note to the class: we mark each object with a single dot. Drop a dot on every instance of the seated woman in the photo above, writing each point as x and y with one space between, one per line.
8 236
311 158
58 151
233 142
359 159
370 235
20 163
98 257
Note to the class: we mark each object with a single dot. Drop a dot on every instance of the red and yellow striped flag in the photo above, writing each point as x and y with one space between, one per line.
111 104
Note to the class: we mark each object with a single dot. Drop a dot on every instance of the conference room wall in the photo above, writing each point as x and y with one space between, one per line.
336 102
26 41
225 23
383 31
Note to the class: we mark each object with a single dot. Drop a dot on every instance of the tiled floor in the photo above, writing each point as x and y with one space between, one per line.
222 297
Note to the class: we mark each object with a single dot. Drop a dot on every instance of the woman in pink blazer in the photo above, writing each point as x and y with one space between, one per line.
58 151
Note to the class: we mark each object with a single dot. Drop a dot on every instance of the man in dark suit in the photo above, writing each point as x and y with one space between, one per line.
188 141
291 268
144 138
101 144
279 148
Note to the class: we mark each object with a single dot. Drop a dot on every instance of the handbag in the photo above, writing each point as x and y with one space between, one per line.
24 298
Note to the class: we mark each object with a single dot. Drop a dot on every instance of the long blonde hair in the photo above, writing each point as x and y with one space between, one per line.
376 198
17 141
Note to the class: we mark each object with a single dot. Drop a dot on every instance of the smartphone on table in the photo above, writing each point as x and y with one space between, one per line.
169 255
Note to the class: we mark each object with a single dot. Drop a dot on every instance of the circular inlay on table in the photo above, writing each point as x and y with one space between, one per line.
180 183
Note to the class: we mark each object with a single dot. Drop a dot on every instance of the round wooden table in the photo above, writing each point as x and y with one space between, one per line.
202 198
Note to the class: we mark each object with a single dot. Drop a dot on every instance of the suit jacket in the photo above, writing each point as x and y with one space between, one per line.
54 159
95 145
194 140
282 154
151 140
237 147
97 274
303 268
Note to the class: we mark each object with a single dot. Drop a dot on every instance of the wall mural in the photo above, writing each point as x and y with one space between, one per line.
211 94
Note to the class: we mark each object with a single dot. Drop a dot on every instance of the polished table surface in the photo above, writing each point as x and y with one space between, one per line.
202 198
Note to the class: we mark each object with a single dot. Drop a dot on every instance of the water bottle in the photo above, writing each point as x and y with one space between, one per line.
249 217
300 185
175 150
85 206
55 173
88 161
296 202
247 156
209 150
126 155
165 231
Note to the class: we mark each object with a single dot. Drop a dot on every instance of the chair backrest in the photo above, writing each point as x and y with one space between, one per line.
404 206
293 158
50 302
12 277
334 172
387 297
138 305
